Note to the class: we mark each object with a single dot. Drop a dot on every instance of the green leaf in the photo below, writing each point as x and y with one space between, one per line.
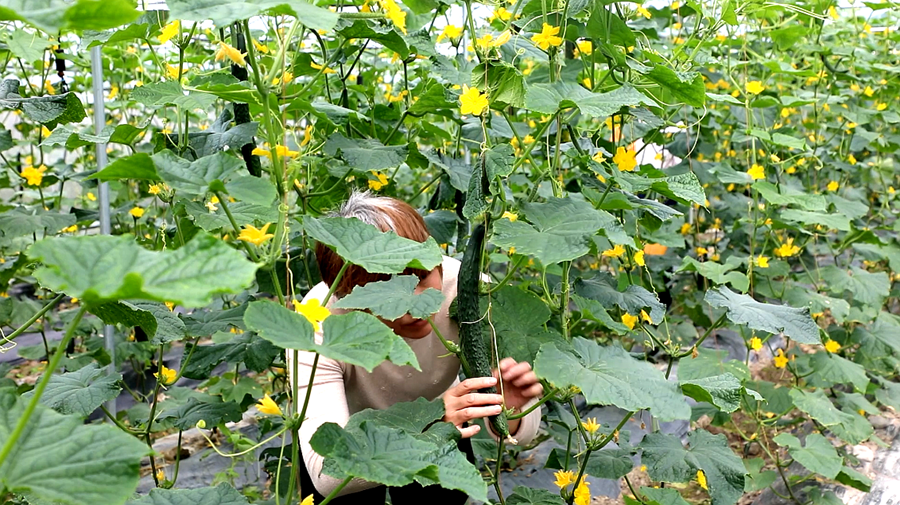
411 417
609 27
852 478
223 494
503 83
196 178
253 190
817 456
21 221
522 495
356 338
59 459
225 12
608 375
717 272
243 213
685 87
595 311
103 268
159 94
724 391
789 196
604 289
867 288
830 221
742 309
830 369
711 363
255 352
610 463
212 410
560 231
159 323
435 97
388 456
238 92
888 394
819 407
668 461
663 496
364 245
81 392
548 98
137 166
365 155
393 298
28 46
100 14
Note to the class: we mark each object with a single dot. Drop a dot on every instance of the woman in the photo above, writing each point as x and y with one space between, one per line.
340 389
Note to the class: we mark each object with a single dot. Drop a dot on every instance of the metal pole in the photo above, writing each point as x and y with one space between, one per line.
105 228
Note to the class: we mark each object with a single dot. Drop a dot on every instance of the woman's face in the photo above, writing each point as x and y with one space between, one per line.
406 325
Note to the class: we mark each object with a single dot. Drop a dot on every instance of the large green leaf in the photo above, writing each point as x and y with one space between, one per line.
242 212
364 245
254 352
548 98
711 363
365 155
610 463
663 496
195 178
604 289
866 287
211 410
830 221
53 15
393 457
20 221
253 190
609 375
81 392
160 94
560 231
138 166
223 494
156 320
685 87
412 417
101 269
668 461
59 459
717 272
356 338
819 407
818 455
743 309
529 496
724 391
28 46
393 298
224 12
829 369
787 196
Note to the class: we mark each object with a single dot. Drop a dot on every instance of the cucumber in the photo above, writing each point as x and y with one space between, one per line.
476 355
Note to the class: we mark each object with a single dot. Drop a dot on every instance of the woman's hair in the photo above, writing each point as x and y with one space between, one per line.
384 213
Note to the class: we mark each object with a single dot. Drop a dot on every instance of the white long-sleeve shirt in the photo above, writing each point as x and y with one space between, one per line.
341 389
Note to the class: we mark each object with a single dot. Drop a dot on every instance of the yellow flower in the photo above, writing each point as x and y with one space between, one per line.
319 67
34 176
136 212
169 31
548 37
629 320
643 11
833 186
307 135
643 468
639 258
851 159
379 182
880 106
591 425
253 235
90 196
833 13
615 252
598 157
761 261
563 479
780 359
450 32
160 474
756 343
171 72
211 205
70 229
625 159
472 101
313 310
757 172
262 48
755 87
232 53
502 39
582 493
501 13
510 215
869 91
307 501
170 306
155 189
285 78
645 317
701 479
282 151
113 92
268 406
395 14
585 47
787 249
832 346
166 376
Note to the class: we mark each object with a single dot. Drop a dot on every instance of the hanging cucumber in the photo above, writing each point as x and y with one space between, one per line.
475 351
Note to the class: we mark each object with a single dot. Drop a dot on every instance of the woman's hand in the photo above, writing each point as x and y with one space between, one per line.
520 384
463 403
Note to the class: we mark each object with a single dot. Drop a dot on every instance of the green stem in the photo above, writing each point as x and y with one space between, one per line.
540 402
21 329
237 229
39 390
564 301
